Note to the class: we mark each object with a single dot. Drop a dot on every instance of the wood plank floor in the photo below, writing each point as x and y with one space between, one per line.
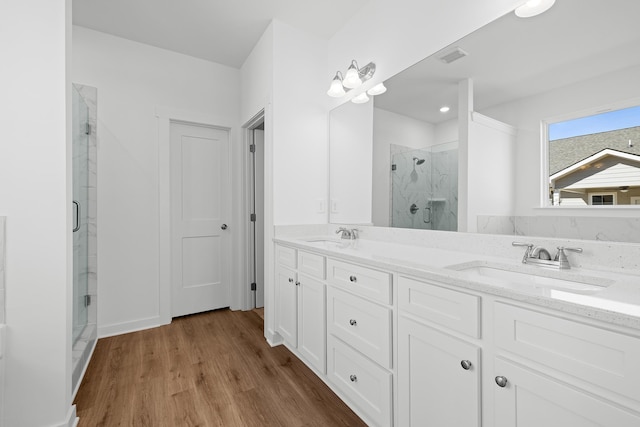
208 369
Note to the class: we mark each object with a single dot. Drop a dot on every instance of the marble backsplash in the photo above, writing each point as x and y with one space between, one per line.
583 228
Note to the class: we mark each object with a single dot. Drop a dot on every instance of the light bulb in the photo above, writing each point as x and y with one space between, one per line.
377 89
533 8
444 109
360 99
336 90
352 78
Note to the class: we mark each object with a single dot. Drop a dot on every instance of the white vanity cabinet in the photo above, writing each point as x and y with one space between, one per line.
300 312
360 345
438 373
551 371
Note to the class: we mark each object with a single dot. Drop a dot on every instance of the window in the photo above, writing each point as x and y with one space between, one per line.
601 199
595 159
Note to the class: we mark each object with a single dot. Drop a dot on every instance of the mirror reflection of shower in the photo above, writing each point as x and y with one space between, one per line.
424 197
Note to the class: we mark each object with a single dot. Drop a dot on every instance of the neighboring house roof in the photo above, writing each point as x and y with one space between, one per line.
568 151
606 168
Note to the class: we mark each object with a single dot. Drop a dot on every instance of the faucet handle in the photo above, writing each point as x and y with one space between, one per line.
561 256
529 245
354 233
527 252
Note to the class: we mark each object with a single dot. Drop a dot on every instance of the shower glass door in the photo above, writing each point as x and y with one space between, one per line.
80 152
424 187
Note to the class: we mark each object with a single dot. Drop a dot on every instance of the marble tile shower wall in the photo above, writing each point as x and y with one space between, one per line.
606 229
410 185
430 187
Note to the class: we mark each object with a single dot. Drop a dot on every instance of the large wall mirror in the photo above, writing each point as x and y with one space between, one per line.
461 135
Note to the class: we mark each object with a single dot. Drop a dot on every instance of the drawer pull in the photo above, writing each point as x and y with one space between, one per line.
297 283
290 280
353 279
501 381
466 365
353 322
353 378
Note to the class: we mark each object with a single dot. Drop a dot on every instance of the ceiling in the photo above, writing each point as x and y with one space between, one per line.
513 58
222 31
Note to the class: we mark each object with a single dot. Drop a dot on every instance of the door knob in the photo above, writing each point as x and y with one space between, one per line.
223 226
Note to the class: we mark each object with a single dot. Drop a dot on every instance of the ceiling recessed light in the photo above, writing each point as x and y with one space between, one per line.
444 109
533 8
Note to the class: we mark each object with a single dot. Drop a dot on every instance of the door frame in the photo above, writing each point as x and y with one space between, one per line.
165 117
265 114
248 139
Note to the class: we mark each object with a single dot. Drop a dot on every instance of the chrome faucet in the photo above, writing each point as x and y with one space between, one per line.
537 255
347 234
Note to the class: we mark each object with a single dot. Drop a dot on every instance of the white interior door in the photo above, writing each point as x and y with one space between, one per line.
200 201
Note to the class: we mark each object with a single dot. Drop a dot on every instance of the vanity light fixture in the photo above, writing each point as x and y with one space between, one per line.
336 90
378 89
353 78
533 7
361 99
444 109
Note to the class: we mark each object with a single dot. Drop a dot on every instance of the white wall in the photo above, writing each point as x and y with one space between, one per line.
299 126
526 115
396 34
133 80
257 77
490 183
392 128
351 161
35 195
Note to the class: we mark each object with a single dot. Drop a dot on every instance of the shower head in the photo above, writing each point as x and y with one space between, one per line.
418 161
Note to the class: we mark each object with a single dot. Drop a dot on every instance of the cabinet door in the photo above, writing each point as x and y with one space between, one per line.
531 399
312 321
434 389
287 305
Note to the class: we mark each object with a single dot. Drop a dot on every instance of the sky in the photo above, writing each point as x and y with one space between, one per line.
612 120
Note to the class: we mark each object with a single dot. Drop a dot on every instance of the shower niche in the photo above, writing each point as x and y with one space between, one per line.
424 187
84 222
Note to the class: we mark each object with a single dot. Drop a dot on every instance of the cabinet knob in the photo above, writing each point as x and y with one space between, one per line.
353 279
466 365
501 381
297 283
290 280
353 322
353 378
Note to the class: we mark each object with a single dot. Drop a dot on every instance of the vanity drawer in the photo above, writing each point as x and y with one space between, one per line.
365 384
286 256
455 310
363 281
606 359
311 264
364 325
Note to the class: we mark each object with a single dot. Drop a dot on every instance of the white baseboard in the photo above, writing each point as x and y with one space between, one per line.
72 420
273 338
133 326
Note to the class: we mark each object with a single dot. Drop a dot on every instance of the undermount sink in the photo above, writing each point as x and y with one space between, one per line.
532 280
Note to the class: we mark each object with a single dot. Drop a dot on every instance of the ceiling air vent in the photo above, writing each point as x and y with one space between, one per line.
453 55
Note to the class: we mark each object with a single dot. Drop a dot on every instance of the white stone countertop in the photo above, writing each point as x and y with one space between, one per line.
616 299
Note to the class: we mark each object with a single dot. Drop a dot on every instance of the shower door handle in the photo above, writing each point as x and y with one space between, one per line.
77 227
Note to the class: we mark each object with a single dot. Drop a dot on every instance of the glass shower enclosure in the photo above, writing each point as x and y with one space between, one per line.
84 156
424 187
80 202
